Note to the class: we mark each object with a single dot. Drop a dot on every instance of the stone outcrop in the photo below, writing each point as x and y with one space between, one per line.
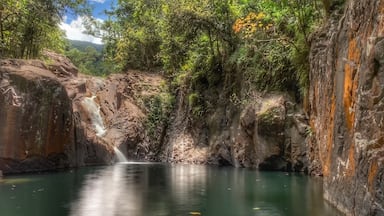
118 97
268 134
185 143
48 113
347 107
39 130
60 65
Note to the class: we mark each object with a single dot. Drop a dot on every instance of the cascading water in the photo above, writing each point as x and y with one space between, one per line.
97 121
119 155
94 111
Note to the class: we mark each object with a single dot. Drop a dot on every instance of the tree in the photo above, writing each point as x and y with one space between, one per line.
275 36
207 44
89 61
132 35
28 26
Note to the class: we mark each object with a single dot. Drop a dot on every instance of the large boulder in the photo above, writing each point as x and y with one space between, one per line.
40 129
268 134
35 117
60 65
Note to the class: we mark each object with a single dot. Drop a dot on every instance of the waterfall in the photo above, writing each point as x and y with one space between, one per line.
119 155
94 112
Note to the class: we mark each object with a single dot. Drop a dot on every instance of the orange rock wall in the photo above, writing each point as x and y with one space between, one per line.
347 107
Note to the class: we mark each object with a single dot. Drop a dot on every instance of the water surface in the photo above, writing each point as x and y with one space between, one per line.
146 189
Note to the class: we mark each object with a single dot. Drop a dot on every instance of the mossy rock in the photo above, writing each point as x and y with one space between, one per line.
271 121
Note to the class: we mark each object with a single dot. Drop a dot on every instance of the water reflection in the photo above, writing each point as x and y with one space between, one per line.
145 189
156 189
185 180
107 193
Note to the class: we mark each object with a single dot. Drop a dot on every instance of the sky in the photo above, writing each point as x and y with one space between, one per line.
73 25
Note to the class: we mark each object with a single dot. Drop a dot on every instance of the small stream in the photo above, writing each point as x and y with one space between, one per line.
147 189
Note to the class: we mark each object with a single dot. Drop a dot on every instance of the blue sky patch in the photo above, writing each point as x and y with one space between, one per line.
73 24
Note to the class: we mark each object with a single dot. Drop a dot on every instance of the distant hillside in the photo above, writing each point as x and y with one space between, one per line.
81 45
88 57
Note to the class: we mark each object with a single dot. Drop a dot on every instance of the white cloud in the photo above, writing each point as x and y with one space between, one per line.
75 31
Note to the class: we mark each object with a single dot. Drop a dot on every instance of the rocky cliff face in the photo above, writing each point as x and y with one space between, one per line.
346 106
122 100
39 130
269 133
52 117
35 117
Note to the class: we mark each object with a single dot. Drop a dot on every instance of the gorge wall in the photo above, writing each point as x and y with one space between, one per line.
35 118
346 106
51 117
49 112
268 133
40 127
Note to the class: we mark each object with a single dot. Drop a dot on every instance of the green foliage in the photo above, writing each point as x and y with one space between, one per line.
89 60
267 118
82 45
201 45
132 40
195 105
207 45
197 42
275 48
266 66
28 26
309 131
193 99
299 57
159 108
